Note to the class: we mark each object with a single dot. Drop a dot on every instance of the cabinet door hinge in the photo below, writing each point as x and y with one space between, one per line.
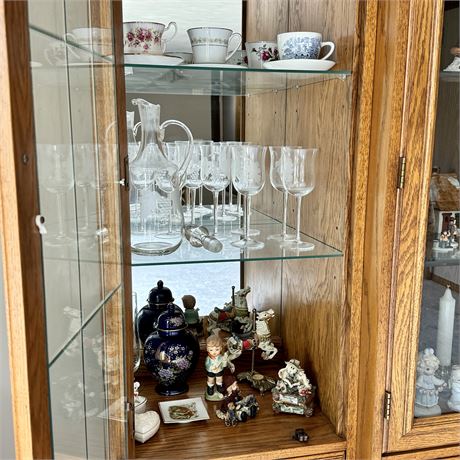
387 405
401 172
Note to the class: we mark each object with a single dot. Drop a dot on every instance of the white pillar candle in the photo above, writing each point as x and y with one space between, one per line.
445 328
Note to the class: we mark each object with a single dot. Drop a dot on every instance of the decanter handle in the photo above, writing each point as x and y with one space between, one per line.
183 167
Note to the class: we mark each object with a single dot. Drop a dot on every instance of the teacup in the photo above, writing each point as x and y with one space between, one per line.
260 52
146 37
210 44
302 45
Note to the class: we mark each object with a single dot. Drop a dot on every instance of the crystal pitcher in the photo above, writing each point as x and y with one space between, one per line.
158 181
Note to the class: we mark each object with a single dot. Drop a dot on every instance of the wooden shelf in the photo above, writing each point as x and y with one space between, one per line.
267 436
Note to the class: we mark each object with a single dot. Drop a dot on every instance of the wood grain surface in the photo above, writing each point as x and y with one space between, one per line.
434 454
268 436
313 304
21 243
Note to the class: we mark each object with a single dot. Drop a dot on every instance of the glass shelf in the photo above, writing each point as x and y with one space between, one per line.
186 254
212 81
450 77
64 52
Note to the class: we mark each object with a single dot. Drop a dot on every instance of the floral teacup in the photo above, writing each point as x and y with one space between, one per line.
146 37
302 45
260 52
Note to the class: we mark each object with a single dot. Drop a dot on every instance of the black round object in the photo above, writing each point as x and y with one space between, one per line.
160 295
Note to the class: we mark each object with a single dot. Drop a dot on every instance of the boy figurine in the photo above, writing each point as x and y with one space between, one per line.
215 363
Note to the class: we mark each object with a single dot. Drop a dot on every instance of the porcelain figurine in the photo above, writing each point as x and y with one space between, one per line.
454 66
427 386
215 363
454 400
236 408
191 314
140 402
260 338
293 393
171 352
234 316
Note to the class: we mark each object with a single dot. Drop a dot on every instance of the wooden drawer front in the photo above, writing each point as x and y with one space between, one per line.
330 456
433 454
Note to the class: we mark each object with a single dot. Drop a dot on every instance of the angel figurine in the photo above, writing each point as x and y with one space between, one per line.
427 386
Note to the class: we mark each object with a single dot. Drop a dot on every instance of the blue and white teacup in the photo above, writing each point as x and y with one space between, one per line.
302 45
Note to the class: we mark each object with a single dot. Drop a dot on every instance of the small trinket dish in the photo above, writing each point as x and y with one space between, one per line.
183 410
147 424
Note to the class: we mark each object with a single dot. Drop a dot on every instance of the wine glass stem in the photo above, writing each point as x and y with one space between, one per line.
216 203
285 203
223 203
192 215
230 198
299 202
59 199
248 217
201 196
187 199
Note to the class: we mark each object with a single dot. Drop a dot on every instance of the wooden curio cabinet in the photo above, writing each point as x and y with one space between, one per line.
355 311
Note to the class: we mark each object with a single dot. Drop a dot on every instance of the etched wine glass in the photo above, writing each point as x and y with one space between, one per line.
193 179
277 183
225 216
215 173
56 167
248 175
298 174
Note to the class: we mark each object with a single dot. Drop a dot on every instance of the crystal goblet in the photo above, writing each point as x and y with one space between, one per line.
248 175
298 177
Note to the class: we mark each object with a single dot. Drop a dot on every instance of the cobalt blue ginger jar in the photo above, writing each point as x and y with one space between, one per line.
171 352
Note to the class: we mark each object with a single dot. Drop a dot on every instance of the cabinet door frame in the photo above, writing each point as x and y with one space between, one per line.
21 242
403 432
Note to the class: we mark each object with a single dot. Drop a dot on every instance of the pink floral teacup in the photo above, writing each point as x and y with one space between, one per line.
146 37
260 52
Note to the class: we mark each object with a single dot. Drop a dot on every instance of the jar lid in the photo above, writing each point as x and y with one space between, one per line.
160 295
171 320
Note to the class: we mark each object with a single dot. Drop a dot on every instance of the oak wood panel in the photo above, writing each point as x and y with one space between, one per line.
330 456
418 125
268 436
334 19
363 77
433 454
312 328
117 14
21 245
107 117
384 142
317 115
264 118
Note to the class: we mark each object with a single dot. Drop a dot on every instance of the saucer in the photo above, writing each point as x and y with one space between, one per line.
150 59
319 65
220 66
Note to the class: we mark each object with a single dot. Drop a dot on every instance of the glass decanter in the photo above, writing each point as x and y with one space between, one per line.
157 181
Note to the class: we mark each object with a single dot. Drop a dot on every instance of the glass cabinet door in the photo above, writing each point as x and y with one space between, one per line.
79 188
438 361
425 349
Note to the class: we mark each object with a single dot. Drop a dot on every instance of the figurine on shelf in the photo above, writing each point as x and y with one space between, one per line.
453 231
236 408
191 314
444 240
454 66
215 363
261 337
140 402
293 393
427 386
454 400
234 316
